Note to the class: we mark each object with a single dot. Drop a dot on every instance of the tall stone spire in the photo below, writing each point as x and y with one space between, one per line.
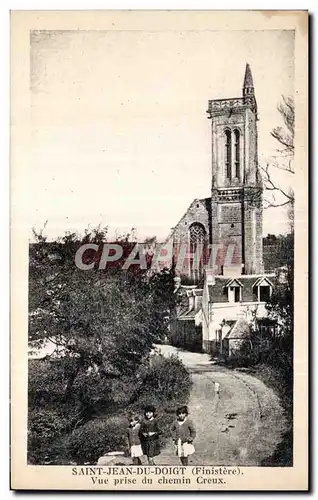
248 86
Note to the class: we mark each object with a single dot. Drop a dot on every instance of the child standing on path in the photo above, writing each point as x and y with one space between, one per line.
183 433
134 440
150 435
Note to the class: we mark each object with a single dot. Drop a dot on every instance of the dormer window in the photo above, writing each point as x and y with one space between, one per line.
234 291
234 294
264 293
262 290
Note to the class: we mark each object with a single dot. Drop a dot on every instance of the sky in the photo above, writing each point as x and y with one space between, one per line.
119 131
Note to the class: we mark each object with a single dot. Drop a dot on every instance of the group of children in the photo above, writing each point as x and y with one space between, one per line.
143 437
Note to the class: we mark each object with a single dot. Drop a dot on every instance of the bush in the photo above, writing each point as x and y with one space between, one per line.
245 355
124 390
95 438
44 428
166 380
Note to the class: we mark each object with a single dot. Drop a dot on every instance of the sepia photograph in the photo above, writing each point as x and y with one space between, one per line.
159 186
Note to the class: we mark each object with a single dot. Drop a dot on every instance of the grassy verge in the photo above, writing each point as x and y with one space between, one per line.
274 379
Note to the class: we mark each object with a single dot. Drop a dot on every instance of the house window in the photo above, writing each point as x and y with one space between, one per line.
237 153
234 294
228 153
262 290
264 293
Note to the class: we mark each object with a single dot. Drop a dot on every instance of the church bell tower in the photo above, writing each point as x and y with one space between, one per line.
236 198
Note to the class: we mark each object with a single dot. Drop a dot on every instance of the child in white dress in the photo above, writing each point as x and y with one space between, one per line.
183 433
134 443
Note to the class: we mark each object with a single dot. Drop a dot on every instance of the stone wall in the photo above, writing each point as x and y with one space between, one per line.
184 333
253 240
197 212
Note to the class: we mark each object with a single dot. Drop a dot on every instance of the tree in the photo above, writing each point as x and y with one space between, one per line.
281 309
86 313
285 136
284 159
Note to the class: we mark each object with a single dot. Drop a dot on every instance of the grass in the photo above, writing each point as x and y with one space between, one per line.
272 378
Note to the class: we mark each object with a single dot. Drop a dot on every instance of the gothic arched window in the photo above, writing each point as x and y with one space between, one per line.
237 153
197 235
228 153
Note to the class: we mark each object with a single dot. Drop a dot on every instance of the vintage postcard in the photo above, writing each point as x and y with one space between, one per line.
159 250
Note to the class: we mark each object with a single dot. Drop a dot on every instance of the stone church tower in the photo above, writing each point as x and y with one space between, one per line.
232 216
236 198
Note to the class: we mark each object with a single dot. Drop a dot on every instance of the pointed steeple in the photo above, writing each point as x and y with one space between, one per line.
248 79
248 86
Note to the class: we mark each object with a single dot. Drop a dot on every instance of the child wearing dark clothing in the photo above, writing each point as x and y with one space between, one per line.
183 433
134 443
149 433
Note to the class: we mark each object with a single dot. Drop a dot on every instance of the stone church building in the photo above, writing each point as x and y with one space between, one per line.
224 297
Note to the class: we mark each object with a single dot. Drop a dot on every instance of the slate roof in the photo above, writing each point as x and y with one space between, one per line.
262 279
240 330
189 314
218 292
196 306
208 205
231 282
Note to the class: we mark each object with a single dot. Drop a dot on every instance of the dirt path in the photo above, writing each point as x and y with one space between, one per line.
240 426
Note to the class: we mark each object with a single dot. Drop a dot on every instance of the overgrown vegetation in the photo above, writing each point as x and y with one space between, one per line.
102 325
281 356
